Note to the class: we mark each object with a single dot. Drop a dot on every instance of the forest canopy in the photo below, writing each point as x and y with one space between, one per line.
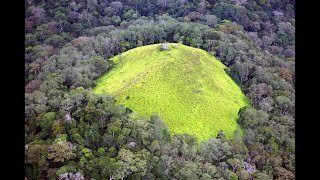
187 87
73 133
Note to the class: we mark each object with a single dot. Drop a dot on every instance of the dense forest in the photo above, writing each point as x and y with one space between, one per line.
73 133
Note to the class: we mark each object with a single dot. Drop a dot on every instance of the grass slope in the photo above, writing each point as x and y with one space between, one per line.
186 86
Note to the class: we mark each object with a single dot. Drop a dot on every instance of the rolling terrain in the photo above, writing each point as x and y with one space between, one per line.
187 87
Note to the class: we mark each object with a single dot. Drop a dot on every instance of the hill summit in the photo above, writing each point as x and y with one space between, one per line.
187 87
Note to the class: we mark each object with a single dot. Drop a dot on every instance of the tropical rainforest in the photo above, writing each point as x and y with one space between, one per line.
160 89
150 80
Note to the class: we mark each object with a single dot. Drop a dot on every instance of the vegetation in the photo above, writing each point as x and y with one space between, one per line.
186 86
73 133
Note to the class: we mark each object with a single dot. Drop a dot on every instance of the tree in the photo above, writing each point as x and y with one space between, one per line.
243 71
214 150
130 163
38 14
267 41
238 148
61 18
100 65
33 85
117 5
211 20
61 150
266 104
46 122
71 176
189 170
154 146
258 92
165 46
193 16
254 39
55 41
209 170
285 34
91 5
252 118
36 156
282 173
284 104
243 174
92 136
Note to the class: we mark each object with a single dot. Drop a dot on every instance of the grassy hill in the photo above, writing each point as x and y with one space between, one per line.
186 86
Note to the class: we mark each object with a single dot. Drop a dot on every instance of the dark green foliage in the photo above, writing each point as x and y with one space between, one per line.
68 129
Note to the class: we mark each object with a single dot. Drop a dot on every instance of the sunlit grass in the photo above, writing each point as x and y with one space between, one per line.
186 86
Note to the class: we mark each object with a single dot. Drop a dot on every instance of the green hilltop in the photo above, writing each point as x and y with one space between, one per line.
187 87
